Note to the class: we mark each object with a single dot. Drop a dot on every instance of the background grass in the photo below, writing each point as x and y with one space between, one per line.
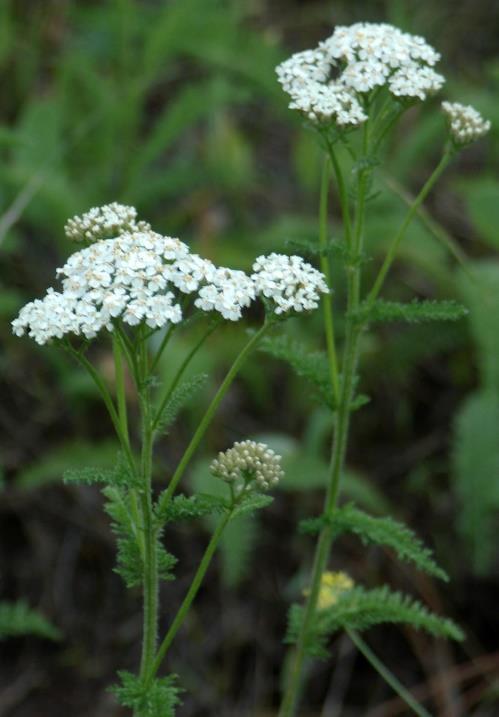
174 107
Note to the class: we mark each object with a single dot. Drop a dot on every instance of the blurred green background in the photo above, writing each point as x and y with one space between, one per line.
174 107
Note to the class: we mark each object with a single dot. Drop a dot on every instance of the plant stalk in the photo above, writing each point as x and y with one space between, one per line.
190 596
341 430
208 416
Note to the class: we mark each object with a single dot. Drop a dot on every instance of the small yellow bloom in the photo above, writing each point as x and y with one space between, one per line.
333 585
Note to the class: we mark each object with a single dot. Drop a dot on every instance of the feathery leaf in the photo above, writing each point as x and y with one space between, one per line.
413 313
158 699
179 398
17 618
360 609
312 366
381 531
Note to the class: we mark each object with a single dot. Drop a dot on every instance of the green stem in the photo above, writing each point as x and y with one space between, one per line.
108 401
392 250
327 301
181 371
119 376
206 420
162 346
342 421
150 586
387 675
343 193
191 594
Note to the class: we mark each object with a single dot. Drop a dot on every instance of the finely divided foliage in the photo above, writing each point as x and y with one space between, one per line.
131 281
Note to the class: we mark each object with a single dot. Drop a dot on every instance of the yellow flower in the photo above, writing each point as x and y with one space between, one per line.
333 585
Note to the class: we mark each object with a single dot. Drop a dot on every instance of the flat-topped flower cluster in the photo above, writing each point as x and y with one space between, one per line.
140 276
328 82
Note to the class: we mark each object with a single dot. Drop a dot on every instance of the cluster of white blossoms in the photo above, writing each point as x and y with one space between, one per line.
289 282
139 276
250 463
466 124
103 223
327 83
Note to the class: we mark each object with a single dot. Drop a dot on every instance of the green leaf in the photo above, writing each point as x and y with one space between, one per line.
312 366
482 296
50 466
183 507
413 312
360 609
475 457
119 475
180 397
480 195
158 699
380 531
251 502
17 618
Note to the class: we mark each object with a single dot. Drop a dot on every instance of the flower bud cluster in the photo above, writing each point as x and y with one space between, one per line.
103 223
362 57
139 276
289 282
332 586
466 124
250 462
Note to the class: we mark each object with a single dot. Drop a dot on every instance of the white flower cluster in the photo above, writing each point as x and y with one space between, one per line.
291 283
103 223
139 277
465 122
249 462
327 83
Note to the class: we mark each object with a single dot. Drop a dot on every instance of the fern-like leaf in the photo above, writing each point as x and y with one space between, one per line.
179 398
360 609
413 313
183 507
312 366
381 531
158 699
130 562
251 502
17 618
118 476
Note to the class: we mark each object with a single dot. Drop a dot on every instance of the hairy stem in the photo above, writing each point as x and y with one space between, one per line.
342 421
327 301
208 416
183 366
150 586
191 594
392 250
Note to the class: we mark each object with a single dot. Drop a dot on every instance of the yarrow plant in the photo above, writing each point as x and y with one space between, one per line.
352 89
133 287
130 283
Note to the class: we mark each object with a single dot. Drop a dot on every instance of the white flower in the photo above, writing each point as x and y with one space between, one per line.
290 283
466 124
138 277
228 292
327 83
249 462
103 223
